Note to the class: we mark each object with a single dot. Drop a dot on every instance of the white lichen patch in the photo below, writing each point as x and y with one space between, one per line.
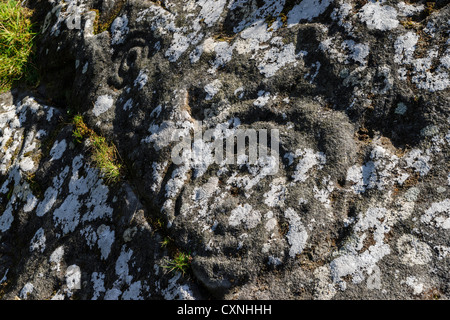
73 278
102 104
223 54
68 214
176 182
267 7
180 44
405 46
103 237
122 268
374 279
276 196
204 199
380 172
6 218
409 9
85 68
90 236
158 170
203 193
134 292
277 57
58 149
16 148
306 11
308 159
211 10
56 258
438 214
19 150
297 235
379 16
352 261
323 194
412 251
265 166
257 32
419 161
263 98
324 288
27 289
414 284
420 68
141 80
358 51
271 221
98 284
245 215
38 241
31 203
175 128
425 79
51 193
119 30
161 134
212 89
26 164
176 291
105 240
128 104
401 108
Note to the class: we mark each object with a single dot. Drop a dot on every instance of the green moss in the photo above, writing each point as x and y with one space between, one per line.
10 191
430 7
283 18
104 155
270 19
35 187
167 242
410 24
8 144
289 4
3 288
104 22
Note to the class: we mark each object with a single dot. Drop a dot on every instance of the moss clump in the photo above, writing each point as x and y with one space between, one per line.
104 154
270 19
288 6
35 187
104 22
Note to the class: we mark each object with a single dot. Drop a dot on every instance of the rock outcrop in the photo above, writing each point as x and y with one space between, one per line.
350 201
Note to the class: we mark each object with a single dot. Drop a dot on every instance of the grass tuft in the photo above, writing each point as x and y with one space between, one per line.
16 44
181 262
104 154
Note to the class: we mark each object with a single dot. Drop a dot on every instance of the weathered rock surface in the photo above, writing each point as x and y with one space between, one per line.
358 208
